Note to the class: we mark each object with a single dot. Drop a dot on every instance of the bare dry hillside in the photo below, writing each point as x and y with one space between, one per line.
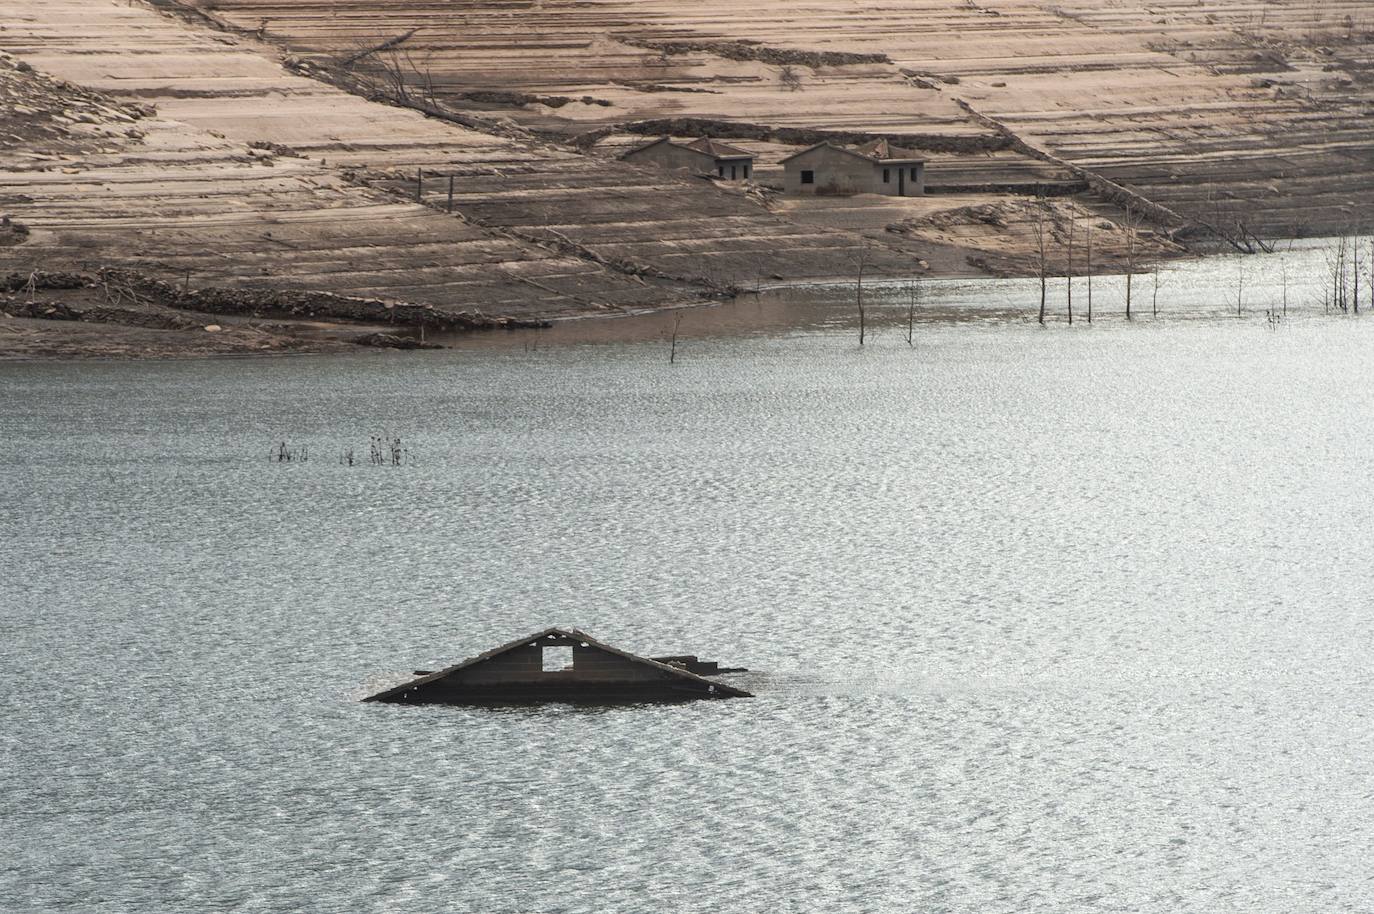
1225 111
203 158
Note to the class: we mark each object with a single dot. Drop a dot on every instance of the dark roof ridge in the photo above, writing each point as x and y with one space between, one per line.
571 633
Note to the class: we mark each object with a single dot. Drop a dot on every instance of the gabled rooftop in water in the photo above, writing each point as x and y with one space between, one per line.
559 664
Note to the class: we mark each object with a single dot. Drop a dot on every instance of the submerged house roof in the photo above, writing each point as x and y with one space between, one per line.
875 151
520 671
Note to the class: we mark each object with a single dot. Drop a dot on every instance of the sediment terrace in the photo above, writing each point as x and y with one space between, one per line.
242 172
1225 111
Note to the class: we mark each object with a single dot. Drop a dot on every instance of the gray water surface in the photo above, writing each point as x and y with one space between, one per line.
1066 619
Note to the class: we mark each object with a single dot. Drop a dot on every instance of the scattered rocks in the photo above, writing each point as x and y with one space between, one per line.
798 136
392 341
45 115
39 279
12 232
752 50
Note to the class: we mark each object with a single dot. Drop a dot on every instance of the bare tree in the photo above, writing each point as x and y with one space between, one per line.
1355 271
913 294
672 353
862 254
1154 295
1240 287
789 77
1130 259
368 50
1068 268
1038 231
1089 268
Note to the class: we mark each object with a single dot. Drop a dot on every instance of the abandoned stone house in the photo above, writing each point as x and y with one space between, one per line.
703 156
876 167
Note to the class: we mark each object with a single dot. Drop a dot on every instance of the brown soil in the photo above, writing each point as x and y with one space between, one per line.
271 147
119 314
1225 112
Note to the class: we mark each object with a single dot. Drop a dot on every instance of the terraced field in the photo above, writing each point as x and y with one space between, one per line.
248 174
1226 111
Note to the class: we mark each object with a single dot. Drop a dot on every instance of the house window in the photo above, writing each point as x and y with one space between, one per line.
913 174
746 171
732 172
720 170
887 175
557 659
808 177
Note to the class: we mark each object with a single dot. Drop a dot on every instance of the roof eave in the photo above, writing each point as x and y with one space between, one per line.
573 633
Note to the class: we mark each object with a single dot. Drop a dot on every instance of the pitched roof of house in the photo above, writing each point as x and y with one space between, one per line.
885 151
649 145
556 634
704 145
718 149
876 151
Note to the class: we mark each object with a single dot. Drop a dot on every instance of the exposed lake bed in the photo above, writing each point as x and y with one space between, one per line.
1034 618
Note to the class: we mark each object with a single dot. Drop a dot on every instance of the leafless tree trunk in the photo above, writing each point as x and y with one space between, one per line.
913 292
1154 295
1355 271
1240 286
1068 269
1089 268
861 257
672 353
1130 259
387 45
1038 233
1338 284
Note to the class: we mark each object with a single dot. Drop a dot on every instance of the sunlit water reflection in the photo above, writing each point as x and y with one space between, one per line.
1038 619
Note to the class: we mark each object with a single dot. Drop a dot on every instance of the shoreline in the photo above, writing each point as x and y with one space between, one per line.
777 307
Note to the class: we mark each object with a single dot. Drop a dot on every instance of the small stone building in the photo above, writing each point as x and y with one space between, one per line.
876 167
703 156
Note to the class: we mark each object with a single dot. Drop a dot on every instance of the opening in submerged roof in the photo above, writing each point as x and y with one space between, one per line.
557 659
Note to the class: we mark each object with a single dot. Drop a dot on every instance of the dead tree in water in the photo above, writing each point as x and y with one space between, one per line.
1042 258
1355 271
672 352
284 454
913 294
1240 287
1089 268
1130 259
861 257
1068 270
1338 291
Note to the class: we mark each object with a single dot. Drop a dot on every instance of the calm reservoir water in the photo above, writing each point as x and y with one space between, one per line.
1063 619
